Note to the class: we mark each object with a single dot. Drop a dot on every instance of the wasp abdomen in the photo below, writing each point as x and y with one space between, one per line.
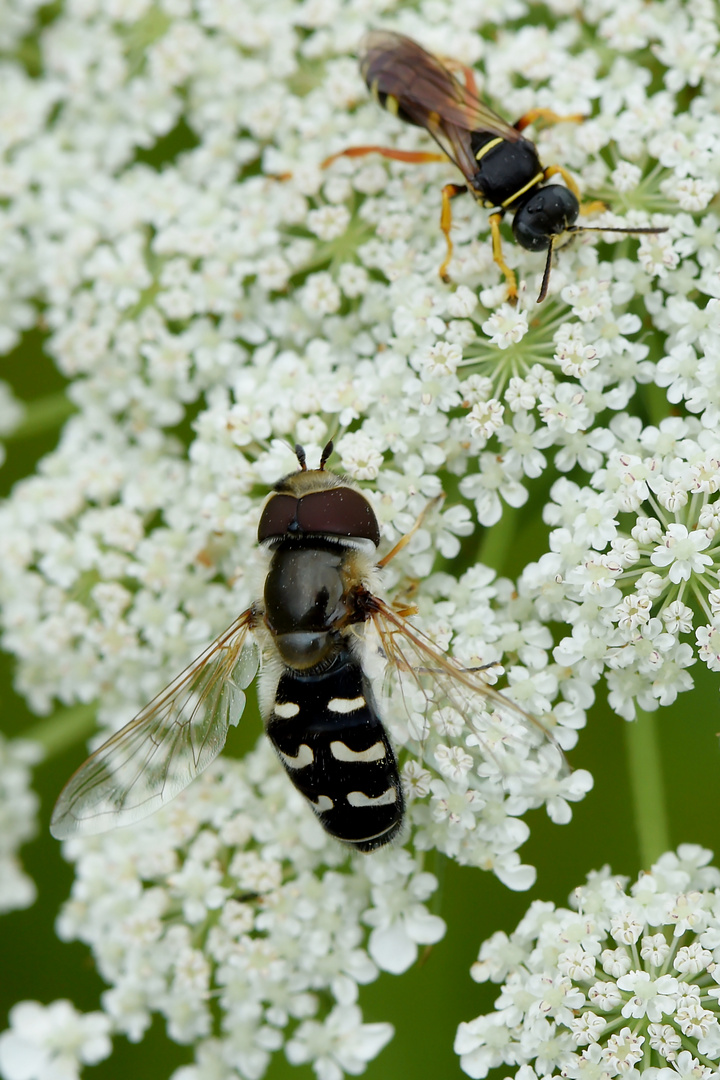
326 730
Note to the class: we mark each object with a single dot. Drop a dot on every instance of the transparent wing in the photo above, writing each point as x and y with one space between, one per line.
170 742
438 694
428 93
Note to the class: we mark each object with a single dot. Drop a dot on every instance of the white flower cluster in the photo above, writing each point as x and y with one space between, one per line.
53 1042
18 819
233 915
625 984
636 550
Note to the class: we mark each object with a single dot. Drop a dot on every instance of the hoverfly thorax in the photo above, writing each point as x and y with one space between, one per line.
316 527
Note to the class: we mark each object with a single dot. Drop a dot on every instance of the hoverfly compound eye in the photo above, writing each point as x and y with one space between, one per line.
549 212
337 511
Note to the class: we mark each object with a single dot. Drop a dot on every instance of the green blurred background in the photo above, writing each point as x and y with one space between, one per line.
426 1004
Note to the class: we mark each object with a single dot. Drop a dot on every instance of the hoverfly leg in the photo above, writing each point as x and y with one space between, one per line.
404 540
450 191
415 157
512 293
548 116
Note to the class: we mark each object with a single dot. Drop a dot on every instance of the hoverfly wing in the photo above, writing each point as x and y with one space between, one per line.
424 88
435 688
170 742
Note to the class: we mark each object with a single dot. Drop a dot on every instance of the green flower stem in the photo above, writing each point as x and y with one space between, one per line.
496 545
647 787
64 728
43 414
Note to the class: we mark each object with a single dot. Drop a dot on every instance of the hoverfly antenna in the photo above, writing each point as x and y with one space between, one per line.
546 274
300 455
326 454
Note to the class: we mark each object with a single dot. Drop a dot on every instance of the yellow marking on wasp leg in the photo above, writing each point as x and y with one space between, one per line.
597 206
392 105
450 191
512 293
549 117
553 170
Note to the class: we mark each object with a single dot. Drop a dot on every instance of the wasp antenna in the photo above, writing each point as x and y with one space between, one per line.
300 455
546 275
616 228
326 454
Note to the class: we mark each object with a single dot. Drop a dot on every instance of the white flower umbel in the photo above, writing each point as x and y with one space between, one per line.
624 984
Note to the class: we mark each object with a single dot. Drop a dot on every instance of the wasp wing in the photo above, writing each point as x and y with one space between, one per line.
429 95
167 744
438 693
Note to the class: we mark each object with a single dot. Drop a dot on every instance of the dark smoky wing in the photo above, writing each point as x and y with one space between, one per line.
427 92
170 742
433 687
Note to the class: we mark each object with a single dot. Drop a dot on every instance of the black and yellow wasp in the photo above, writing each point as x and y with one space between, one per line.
501 167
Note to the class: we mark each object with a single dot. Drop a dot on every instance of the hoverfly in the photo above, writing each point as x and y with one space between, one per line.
501 167
316 699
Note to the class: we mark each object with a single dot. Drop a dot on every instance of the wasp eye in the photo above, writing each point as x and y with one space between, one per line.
549 211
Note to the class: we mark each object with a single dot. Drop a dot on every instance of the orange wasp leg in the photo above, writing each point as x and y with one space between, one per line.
414 156
449 192
512 293
468 73
594 207
548 116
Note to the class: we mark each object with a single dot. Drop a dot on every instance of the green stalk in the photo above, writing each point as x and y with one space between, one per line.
495 548
64 728
647 787
44 414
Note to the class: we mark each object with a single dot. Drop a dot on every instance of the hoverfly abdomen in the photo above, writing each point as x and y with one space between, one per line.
327 733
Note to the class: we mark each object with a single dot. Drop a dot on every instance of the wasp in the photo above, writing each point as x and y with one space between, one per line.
306 637
501 167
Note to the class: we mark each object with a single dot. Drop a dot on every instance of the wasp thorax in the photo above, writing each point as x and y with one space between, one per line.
548 212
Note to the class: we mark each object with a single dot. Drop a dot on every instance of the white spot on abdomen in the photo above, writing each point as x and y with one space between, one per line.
345 705
286 709
358 798
341 752
322 804
302 759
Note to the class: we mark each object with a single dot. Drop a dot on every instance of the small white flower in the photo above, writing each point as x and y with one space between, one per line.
506 327
52 1042
681 551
